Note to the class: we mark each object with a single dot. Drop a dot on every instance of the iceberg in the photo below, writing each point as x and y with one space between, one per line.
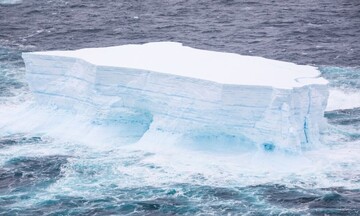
10 2
165 92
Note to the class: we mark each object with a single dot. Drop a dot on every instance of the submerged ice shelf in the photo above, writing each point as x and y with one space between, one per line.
166 92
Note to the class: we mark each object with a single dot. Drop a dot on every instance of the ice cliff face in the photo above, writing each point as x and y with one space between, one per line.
165 92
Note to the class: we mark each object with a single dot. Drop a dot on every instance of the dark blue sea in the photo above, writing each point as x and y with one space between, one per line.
41 174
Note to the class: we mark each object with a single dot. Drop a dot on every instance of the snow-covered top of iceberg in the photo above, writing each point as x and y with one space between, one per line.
174 58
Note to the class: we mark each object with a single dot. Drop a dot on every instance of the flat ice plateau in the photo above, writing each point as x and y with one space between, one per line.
165 93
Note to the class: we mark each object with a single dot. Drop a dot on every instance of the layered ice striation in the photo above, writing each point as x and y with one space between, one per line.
165 92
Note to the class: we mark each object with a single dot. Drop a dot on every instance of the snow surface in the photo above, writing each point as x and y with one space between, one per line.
174 58
166 93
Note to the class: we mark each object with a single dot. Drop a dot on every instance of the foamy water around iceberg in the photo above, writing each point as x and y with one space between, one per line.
53 159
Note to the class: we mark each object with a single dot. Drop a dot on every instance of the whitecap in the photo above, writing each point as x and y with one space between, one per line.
343 99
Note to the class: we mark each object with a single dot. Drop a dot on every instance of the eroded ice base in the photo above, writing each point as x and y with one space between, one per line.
166 93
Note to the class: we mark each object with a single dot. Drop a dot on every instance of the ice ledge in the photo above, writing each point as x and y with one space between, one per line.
176 59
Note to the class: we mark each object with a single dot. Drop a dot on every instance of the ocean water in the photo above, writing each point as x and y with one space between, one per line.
77 171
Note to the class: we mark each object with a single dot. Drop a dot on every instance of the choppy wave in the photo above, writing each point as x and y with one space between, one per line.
308 32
